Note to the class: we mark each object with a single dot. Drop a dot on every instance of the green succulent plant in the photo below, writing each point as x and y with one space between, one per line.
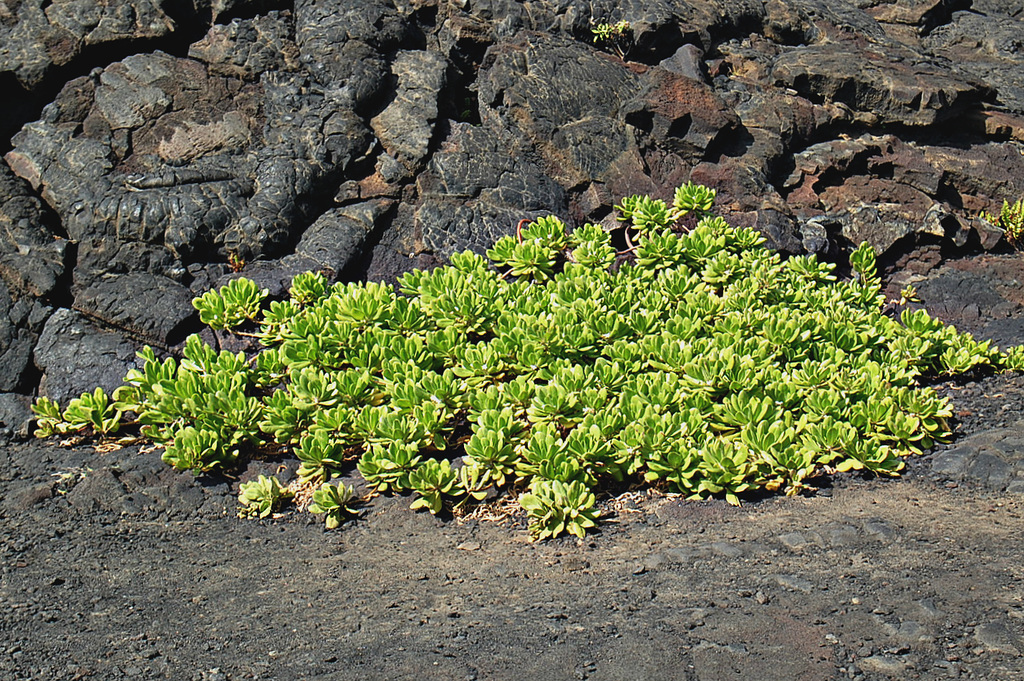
617 36
334 501
432 480
231 305
49 419
554 506
259 498
696 360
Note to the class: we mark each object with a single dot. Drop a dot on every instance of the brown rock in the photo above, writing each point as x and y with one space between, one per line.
881 84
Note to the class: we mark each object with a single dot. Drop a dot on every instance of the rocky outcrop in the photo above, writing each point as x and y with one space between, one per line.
182 142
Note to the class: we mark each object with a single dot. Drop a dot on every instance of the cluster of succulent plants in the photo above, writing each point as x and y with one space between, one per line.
557 369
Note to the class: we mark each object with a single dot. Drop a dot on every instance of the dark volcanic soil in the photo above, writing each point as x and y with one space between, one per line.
115 566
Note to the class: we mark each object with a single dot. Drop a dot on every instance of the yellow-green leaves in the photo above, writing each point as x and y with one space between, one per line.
555 507
1010 220
231 305
334 501
261 497
49 420
693 198
432 480
93 411
196 450
694 359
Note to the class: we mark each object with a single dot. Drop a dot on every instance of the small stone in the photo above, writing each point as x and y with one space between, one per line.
996 637
879 529
726 549
794 583
910 631
794 541
841 534
927 605
882 664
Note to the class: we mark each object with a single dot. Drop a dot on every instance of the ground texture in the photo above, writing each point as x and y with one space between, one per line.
113 566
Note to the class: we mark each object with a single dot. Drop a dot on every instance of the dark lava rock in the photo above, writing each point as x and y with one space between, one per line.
364 138
76 356
146 305
15 415
880 86
32 255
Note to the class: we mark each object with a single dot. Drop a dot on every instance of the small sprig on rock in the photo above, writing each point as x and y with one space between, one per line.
1011 221
617 37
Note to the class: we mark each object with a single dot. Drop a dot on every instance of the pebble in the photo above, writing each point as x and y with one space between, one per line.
910 631
794 541
841 534
883 664
726 549
996 637
794 583
927 606
879 529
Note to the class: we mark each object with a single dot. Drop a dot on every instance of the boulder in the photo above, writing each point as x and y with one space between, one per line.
32 254
881 86
76 356
38 36
406 127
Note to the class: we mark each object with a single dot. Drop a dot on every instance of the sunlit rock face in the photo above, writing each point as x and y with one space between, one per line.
157 148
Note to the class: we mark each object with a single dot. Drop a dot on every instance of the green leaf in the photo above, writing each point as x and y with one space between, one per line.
259 498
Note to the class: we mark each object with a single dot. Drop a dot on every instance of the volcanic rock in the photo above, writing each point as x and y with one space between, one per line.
364 138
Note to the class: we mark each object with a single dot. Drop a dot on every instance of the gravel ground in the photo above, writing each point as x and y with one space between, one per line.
113 566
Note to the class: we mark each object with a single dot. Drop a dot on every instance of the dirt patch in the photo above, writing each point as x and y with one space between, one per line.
114 566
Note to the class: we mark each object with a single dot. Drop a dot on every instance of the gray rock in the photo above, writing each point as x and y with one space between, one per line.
32 255
997 637
474 190
338 236
341 45
727 549
76 357
99 490
406 127
38 36
217 164
15 415
247 48
20 323
878 86
794 541
883 664
686 61
149 306
794 583
840 534
993 459
531 89
880 530
985 46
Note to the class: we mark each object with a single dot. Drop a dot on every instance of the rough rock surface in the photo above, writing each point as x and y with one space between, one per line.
181 142
155 149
